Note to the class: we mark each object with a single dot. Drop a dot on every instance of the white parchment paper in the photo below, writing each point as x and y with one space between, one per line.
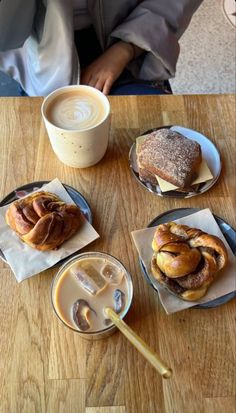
225 281
26 261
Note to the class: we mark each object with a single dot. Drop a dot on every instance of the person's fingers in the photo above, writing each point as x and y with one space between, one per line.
100 84
92 82
85 78
107 86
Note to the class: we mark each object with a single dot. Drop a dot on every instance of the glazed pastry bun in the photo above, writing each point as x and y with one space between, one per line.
186 259
42 220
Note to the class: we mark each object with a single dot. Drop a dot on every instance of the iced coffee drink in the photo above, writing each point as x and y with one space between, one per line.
85 286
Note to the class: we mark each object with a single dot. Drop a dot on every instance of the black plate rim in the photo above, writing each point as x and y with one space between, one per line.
193 210
209 304
8 199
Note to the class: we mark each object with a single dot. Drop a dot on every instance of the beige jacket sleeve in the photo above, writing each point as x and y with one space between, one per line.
156 26
16 21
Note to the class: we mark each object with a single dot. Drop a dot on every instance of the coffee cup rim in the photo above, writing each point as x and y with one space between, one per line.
63 89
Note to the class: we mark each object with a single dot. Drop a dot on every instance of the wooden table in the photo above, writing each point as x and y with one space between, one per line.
44 366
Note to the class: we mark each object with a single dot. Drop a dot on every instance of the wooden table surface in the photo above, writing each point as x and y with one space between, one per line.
44 366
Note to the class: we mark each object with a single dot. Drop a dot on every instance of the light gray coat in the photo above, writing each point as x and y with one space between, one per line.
37 47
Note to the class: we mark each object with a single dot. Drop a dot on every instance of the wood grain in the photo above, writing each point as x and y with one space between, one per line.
48 368
65 396
220 405
110 409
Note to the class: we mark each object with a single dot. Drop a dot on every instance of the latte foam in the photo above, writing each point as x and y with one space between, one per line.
75 111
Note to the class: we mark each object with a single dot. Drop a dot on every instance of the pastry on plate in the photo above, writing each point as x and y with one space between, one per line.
170 156
186 260
42 220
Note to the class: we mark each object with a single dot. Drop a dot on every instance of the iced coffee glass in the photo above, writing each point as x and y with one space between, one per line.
84 286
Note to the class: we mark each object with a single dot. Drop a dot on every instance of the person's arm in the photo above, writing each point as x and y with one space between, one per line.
103 72
154 26
16 20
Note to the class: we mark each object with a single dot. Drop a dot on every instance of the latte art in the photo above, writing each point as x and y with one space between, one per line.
77 119
73 111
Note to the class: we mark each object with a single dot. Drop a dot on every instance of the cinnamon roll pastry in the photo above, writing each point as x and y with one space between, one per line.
186 259
42 220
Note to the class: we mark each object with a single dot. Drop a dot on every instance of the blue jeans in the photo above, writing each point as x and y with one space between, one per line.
137 89
128 85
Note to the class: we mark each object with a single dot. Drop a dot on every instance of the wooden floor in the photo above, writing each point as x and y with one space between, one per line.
45 367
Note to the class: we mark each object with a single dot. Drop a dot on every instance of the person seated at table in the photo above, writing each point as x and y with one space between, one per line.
117 46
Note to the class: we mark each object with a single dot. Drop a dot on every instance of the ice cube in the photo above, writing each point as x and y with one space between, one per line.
93 273
81 311
86 282
112 273
107 322
118 300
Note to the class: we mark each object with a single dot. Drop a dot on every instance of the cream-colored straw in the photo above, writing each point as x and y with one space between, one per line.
140 345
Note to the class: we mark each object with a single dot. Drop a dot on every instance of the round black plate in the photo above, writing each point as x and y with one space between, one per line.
228 232
24 190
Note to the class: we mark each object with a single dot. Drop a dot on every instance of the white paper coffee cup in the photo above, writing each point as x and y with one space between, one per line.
78 134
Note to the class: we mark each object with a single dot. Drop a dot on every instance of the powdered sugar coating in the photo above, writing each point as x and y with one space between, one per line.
171 156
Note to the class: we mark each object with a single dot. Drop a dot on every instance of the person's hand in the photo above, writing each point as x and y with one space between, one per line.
103 72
